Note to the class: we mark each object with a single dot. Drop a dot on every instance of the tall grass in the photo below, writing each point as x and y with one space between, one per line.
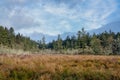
4 50
59 67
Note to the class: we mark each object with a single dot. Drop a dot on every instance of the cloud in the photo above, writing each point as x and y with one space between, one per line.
55 16
17 1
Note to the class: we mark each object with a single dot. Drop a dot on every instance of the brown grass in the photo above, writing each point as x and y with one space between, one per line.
59 67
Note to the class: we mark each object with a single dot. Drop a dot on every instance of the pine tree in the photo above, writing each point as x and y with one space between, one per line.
67 43
43 43
54 45
81 39
73 42
59 43
11 37
116 46
96 45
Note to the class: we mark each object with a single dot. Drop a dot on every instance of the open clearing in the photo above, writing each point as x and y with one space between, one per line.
59 67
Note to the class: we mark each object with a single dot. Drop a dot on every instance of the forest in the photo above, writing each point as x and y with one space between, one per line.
106 43
9 39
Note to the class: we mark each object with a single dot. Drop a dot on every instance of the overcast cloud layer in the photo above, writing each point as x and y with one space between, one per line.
57 16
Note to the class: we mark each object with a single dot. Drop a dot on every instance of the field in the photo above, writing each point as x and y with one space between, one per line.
59 67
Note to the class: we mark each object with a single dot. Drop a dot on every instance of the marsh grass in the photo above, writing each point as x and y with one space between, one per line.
59 67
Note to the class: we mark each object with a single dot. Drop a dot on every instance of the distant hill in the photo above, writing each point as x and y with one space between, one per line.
37 36
113 26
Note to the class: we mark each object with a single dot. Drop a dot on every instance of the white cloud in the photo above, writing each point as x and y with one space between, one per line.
97 12
19 1
66 25
37 30
52 17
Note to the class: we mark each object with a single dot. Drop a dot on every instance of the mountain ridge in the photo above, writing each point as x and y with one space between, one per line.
113 26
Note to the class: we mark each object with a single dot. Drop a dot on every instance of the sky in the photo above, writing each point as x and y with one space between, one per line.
54 17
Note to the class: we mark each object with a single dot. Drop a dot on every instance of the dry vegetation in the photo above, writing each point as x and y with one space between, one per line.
59 67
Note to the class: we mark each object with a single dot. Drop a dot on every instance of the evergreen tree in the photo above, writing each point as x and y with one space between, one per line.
81 39
116 46
73 42
11 37
96 45
67 43
54 45
43 43
59 43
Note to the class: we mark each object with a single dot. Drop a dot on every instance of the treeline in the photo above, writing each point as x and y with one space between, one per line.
9 39
104 43
81 43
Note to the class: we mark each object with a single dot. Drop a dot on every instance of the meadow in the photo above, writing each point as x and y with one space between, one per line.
59 67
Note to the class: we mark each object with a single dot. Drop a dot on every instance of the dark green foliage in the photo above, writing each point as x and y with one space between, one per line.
8 38
42 44
116 46
104 43
58 43
95 45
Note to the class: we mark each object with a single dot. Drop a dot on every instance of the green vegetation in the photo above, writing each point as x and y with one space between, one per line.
59 67
10 40
106 43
